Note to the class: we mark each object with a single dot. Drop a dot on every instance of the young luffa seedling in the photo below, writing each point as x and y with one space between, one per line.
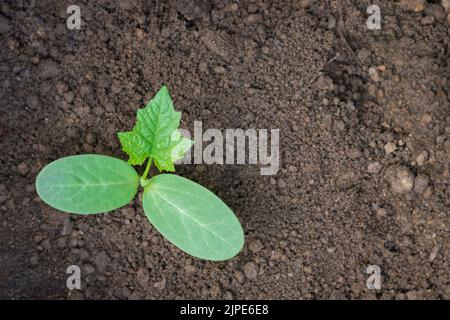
187 214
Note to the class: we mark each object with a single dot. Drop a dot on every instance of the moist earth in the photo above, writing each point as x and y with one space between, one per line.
364 122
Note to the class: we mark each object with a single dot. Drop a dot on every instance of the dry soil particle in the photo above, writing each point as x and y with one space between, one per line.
338 92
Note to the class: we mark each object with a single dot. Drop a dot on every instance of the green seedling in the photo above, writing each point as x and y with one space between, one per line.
190 216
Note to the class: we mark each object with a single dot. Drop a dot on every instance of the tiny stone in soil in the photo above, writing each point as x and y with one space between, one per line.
255 246
390 147
23 168
402 180
374 167
251 270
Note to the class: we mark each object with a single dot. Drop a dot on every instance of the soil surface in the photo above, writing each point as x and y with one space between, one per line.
364 121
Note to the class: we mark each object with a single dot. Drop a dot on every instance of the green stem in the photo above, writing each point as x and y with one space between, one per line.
147 169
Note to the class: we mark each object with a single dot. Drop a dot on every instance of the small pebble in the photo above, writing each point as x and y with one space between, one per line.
381 213
427 20
390 147
251 270
254 18
32 101
91 138
190 269
3 199
281 184
220 70
139 34
380 93
67 227
373 73
420 159
412 295
374 167
34 259
331 22
354 153
102 260
425 119
35 60
402 180
73 243
23 168
256 246
421 183
413 5
446 5
428 192
30 188
88 269
252 8
61 242
381 68
249 117
434 252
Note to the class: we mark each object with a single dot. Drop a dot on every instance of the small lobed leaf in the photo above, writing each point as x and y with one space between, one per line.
192 218
134 146
87 184
155 134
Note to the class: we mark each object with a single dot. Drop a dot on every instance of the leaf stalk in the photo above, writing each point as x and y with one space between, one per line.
147 168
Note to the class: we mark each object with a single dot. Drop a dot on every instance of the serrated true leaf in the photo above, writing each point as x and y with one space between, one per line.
153 135
87 184
192 218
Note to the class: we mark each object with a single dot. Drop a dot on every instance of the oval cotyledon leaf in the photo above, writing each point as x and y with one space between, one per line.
192 217
87 184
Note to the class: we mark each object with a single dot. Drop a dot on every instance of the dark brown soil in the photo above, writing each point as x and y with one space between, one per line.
364 120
